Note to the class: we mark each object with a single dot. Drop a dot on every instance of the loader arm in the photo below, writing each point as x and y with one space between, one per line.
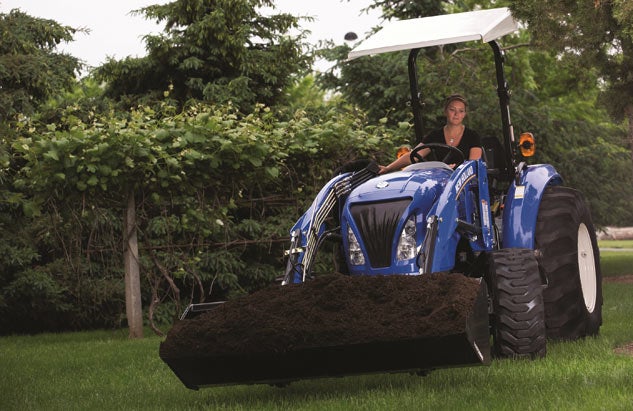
463 210
306 235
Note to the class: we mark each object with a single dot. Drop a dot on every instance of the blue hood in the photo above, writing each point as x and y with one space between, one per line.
377 210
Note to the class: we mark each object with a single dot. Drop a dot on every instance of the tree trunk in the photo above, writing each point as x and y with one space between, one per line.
133 307
629 115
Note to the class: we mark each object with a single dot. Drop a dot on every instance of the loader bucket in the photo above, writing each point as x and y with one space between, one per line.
205 351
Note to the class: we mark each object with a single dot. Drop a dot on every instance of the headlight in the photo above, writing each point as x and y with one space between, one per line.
406 244
356 256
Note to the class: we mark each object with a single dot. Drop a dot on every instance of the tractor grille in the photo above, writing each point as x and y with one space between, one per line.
377 224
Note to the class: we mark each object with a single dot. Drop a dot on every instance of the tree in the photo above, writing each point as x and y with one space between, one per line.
31 70
590 34
407 9
212 50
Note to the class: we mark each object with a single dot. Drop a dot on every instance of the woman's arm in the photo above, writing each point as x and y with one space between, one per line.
475 153
397 164
401 162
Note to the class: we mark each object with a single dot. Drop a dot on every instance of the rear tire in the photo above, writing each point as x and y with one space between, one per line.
516 290
569 259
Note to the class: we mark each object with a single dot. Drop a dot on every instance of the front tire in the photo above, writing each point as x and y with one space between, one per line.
569 259
518 317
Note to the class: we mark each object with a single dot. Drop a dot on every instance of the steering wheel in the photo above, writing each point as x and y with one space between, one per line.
415 156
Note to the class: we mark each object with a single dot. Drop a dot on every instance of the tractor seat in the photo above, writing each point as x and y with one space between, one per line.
493 156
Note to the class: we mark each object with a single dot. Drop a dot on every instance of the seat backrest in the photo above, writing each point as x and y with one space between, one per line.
493 154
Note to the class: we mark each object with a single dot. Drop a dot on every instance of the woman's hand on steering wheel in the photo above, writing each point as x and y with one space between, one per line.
416 157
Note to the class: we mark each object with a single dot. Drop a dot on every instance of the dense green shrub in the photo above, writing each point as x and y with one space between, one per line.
216 193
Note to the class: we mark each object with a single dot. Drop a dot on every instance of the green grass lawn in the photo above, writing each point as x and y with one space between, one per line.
103 370
615 263
615 244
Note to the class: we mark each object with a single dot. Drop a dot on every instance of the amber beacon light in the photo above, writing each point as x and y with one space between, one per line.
527 144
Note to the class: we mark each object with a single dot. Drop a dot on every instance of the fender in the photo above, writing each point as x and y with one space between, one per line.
522 203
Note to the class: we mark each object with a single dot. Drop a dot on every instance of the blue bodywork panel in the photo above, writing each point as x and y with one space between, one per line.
522 203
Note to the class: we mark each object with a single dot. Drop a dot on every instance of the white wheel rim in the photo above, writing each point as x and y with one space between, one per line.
587 268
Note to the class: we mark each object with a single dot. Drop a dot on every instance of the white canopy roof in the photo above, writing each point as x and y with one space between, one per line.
484 25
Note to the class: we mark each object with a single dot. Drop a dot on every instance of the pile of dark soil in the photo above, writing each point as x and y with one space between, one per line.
328 311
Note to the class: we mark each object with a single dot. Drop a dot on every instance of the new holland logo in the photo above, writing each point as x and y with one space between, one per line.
469 173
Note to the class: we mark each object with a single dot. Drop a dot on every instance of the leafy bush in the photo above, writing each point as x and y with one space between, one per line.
216 194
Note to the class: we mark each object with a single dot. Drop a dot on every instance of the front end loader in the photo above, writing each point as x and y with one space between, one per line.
514 250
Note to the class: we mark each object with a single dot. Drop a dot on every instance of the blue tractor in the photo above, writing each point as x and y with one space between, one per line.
496 218
515 227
